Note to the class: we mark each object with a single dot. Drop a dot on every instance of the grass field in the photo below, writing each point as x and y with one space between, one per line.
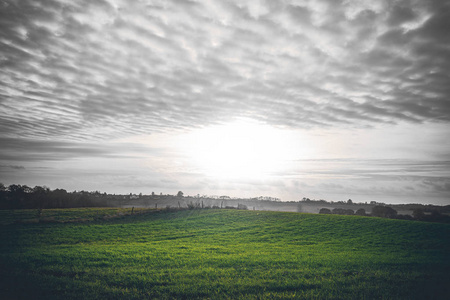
217 254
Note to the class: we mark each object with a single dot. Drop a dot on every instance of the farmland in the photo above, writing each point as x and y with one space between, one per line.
219 253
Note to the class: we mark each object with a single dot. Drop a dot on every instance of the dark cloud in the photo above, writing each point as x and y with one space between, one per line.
31 150
14 167
399 14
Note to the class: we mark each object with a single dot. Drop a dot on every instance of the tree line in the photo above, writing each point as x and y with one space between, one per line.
383 211
16 196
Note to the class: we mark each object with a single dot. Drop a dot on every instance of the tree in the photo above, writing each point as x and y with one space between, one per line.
242 206
349 201
342 211
384 212
15 189
360 212
180 194
39 190
418 214
324 211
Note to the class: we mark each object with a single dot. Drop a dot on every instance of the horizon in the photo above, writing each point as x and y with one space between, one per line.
330 100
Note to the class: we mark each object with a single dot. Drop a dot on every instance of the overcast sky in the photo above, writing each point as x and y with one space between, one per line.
321 99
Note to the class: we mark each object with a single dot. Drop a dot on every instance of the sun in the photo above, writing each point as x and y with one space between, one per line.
242 149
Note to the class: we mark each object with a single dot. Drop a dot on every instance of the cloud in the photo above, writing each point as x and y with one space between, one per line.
37 150
394 180
14 167
76 73
77 66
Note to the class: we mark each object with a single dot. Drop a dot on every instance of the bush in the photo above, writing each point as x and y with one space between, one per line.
418 214
342 211
404 217
192 205
324 211
361 212
242 206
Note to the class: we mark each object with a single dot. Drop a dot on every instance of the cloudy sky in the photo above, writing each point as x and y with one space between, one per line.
322 99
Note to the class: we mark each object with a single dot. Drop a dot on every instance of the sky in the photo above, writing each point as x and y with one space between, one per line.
322 99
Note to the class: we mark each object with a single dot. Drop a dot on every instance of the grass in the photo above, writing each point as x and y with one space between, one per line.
222 254
66 215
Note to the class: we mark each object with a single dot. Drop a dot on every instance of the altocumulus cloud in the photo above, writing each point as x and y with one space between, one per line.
82 68
75 72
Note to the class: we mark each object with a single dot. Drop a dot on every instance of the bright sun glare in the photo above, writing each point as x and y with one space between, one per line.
243 149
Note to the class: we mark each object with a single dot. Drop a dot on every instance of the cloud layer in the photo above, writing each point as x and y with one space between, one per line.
88 69
77 78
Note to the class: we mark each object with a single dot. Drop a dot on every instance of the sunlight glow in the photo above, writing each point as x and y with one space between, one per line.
243 149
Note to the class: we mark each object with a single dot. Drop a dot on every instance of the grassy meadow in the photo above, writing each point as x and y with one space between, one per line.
219 254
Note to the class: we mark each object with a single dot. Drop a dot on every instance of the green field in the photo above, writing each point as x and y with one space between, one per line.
220 254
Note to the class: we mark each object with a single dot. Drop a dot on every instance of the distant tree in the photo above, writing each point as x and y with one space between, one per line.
349 201
342 211
193 205
16 195
360 212
242 206
3 197
404 217
418 214
324 211
15 189
40 196
180 194
384 211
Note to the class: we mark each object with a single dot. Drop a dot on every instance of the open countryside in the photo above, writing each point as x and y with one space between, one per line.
170 253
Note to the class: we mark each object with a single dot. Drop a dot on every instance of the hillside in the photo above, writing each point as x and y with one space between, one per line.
211 253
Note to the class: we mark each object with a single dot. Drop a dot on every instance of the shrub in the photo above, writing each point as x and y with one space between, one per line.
342 211
360 212
324 211
192 205
418 214
242 206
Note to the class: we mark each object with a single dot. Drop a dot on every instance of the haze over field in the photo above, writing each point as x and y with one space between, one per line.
321 99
